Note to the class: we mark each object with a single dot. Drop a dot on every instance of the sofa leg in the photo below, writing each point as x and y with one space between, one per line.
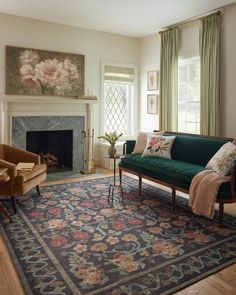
173 198
221 212
140 187
13 201
120 175
38 190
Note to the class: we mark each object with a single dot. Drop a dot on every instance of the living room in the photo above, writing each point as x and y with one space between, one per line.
107 46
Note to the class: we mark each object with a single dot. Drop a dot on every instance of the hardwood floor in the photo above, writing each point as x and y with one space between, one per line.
9 281
223 282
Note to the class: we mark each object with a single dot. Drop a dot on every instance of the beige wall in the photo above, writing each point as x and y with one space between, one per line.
96 46
228 72
189 40
149 61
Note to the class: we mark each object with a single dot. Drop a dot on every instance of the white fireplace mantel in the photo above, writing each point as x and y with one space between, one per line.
47 99
39 106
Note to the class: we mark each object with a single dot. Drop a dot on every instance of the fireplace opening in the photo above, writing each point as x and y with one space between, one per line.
55 148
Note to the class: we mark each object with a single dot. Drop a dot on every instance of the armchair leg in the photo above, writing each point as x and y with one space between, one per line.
4 211
13 200
38 190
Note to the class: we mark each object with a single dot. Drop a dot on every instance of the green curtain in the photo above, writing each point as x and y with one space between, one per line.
169 80
210 74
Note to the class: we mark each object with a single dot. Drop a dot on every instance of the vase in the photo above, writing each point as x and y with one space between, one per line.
111 150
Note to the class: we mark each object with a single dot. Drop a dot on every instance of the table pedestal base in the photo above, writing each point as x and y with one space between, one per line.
113 187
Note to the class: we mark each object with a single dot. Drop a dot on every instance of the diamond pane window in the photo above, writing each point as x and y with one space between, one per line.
118 91
189 95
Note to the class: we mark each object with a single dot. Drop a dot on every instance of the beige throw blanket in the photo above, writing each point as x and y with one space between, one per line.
203 192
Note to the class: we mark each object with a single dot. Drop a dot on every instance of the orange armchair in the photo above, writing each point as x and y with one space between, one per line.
20 183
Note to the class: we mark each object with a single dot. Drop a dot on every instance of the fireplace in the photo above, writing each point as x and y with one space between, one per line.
55 148
49 128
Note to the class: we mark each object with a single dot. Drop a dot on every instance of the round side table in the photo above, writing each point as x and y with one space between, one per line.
114 186
3 210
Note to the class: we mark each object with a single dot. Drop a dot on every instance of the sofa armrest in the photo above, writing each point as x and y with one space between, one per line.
16 155
233 181
128 147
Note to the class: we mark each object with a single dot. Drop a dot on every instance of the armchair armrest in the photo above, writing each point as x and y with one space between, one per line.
16 155
11 168
12 172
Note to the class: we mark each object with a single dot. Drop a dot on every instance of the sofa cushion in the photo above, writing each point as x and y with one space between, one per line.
224 191
195 149
155 175
158 146
178 170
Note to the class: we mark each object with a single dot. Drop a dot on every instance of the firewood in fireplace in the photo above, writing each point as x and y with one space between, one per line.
49 159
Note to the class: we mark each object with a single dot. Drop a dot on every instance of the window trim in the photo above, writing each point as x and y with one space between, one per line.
133 119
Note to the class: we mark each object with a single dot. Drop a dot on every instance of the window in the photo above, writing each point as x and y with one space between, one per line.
118 99
189 95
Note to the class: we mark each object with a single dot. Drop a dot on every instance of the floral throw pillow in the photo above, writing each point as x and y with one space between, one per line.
159 146
224 159
141 141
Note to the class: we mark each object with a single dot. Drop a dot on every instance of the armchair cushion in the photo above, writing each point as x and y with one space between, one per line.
25 176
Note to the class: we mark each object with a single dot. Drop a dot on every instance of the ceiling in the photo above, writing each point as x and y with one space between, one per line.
136 18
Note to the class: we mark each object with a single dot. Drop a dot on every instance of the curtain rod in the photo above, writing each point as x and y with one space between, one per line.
189 21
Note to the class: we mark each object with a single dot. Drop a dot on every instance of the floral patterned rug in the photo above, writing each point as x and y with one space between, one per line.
72 241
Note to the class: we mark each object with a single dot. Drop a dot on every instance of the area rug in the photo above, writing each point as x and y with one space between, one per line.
72 241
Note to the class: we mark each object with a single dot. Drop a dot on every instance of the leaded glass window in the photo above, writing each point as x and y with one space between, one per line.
118 92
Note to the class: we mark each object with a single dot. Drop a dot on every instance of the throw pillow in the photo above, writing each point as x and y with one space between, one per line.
159 146
223 160
141 141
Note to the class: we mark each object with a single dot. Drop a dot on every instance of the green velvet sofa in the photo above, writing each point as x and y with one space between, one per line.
190 154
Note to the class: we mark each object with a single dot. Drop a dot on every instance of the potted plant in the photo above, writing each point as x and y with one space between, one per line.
112 138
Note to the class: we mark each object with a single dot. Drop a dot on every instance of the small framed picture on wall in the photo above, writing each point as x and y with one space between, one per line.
152 80
152 104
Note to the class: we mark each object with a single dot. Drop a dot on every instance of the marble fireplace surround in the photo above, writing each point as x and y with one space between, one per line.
18 115
22 124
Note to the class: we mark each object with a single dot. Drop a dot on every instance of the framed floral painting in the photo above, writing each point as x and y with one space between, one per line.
40 72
